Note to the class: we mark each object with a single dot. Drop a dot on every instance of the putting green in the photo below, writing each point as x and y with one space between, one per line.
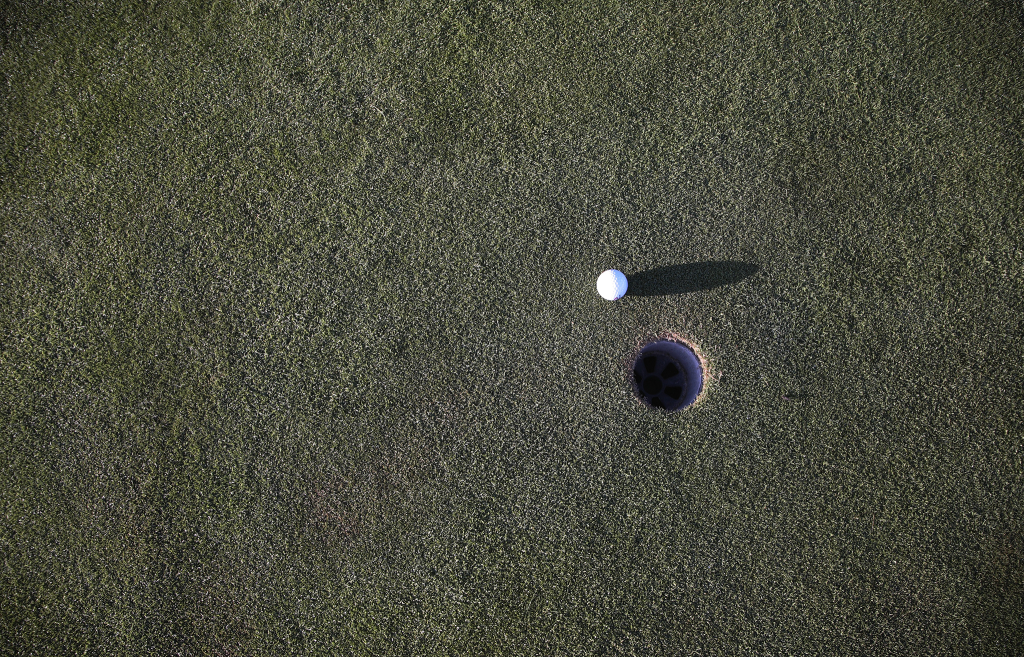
301 351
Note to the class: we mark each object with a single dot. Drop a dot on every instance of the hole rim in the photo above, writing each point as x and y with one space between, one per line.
689 380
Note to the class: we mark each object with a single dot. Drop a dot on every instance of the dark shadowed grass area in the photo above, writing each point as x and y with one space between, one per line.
688 277
300 351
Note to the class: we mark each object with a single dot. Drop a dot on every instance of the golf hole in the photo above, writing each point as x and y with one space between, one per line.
668 375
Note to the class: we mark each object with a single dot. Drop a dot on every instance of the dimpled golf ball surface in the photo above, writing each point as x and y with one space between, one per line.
612 284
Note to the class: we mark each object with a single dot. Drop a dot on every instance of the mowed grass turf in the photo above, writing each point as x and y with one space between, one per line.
300 350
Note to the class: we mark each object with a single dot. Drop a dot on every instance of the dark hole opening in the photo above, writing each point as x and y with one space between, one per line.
652 385
662 372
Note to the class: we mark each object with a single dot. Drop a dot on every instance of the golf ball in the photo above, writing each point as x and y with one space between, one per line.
612 284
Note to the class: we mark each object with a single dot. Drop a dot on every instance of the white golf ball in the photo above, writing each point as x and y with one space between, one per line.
612 284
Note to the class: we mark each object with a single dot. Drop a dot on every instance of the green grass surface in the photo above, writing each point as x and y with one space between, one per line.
300 351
